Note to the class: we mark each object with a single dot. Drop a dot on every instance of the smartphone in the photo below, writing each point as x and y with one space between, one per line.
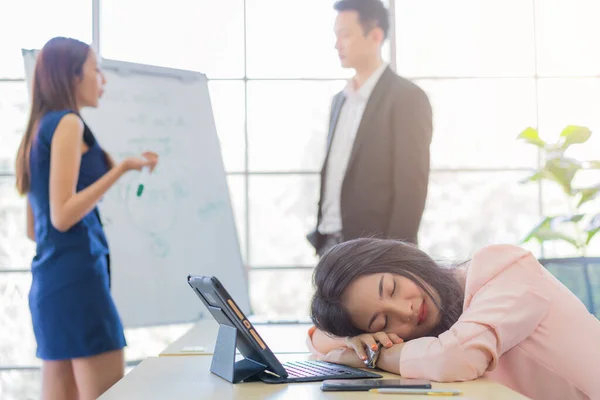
364 385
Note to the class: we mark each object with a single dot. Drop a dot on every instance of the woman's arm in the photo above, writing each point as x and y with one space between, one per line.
67 207
320 343
501 314
389 359
30 222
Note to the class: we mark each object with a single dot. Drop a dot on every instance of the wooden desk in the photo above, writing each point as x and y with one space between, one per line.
281 338
190 378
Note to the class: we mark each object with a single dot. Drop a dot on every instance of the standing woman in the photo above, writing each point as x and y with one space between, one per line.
64 173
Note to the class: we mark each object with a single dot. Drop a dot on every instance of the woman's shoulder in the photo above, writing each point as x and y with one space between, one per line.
55 116
494 261
50 121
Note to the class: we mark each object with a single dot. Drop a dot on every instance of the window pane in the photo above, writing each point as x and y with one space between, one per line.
237 192
287 124
281 294
565 102
17 343
465 38
31 23
476 122
14 106
292 40
283 210
205 36
467 211
228 100
567 37
150 341
16 250
557 203
19 385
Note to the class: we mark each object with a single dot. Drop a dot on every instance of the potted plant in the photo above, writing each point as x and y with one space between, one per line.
580 224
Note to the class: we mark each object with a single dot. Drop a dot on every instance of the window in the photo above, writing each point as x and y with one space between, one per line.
567 37
464 38
200 36
17 346
237 193
476 122
20 384
16 250
468 210
14 106
492 69
281 294
283 210
287 124
291 40
227 99
571 101
31 23
564 101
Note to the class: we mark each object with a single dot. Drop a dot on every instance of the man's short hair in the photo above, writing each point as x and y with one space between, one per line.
371 13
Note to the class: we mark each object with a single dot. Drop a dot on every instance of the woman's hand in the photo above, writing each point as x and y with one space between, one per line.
148 159
358 343
345 356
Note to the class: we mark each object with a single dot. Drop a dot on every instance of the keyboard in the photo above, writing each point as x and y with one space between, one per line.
314 371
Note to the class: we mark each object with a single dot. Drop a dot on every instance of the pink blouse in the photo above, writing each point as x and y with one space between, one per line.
520 327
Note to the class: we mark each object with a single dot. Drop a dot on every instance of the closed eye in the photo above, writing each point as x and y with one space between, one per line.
385 324
386 318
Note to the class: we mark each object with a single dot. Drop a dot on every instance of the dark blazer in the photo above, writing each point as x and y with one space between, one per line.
385 187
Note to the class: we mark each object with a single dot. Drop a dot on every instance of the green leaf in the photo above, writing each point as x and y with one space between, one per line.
537 176
561 219
544 223
593 164
587 194
546 235
530 135
546 230
562 171
593 228
573 134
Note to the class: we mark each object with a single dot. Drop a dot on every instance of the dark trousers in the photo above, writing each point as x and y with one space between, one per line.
329 241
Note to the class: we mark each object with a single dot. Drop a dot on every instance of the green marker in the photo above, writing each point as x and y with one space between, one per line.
143 176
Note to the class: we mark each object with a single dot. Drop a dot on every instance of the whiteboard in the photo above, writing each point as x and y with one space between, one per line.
183 221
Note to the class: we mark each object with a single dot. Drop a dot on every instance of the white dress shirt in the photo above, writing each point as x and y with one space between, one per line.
341 148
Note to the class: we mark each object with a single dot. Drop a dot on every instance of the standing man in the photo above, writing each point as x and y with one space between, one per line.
376 170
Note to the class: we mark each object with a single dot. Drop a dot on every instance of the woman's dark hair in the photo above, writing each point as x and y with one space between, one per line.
58 65
349 260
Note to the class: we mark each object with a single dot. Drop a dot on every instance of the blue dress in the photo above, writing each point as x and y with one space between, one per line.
72 310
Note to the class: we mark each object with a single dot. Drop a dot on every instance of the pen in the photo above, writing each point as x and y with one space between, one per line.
426 392
143 175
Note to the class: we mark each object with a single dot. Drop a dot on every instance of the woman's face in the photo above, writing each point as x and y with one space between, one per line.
90 85
385 302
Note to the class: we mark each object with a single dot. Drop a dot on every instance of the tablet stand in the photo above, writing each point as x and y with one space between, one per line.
223 362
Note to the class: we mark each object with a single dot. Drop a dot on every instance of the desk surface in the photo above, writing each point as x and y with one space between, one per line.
189 378
281 338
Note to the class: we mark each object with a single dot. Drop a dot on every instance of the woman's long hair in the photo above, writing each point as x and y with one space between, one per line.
58 65
349 260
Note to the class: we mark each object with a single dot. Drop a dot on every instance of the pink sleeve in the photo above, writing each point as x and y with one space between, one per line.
501 314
